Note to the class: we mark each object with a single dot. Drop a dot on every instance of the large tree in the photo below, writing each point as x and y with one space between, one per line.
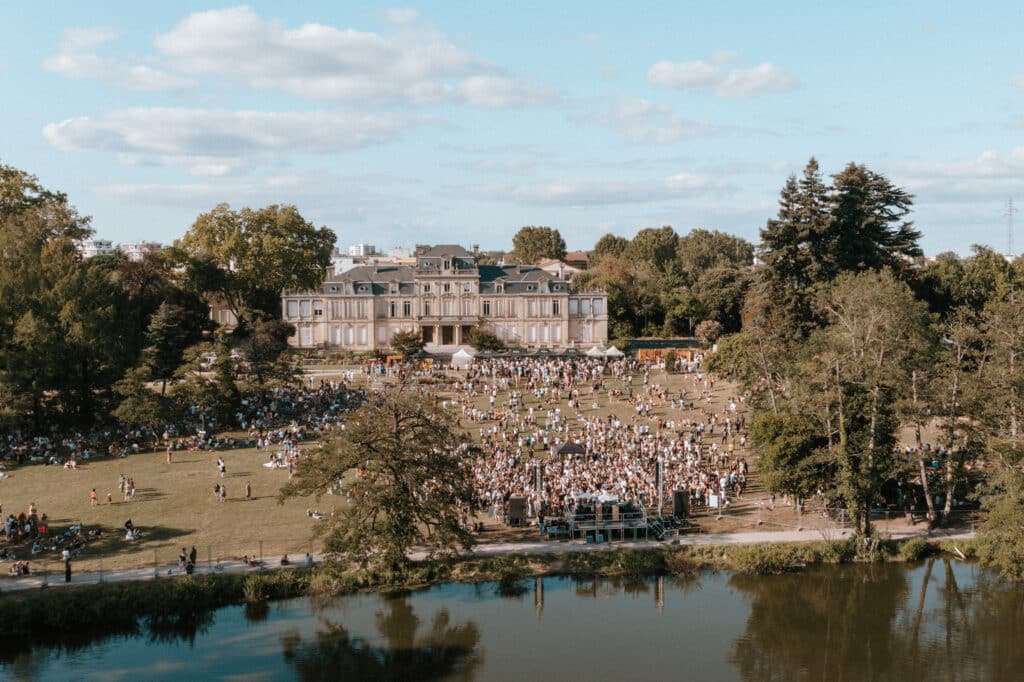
532 243
407 465
250 256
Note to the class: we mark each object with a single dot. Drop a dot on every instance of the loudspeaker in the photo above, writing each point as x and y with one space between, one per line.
681 504
517 511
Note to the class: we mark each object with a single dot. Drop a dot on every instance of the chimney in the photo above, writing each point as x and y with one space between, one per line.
476 249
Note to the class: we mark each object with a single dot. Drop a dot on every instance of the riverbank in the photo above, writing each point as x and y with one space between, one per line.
125 601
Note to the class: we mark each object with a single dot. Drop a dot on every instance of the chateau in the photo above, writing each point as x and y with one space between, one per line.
442 297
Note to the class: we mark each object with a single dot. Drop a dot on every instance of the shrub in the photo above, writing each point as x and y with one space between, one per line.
916 549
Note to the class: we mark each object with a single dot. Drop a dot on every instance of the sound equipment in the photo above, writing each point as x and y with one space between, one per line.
517 511
681 504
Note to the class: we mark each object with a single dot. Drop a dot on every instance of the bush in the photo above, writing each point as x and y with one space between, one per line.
770 559
916 549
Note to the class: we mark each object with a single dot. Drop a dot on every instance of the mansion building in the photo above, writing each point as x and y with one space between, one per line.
442 297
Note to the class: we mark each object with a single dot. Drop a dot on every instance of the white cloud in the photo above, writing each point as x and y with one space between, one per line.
398 15
76 58
600 192
1018 84
416 64
643 121
717 75
217 142
992 176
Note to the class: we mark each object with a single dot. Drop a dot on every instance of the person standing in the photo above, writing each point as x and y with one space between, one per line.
221 466
223 493
66 555
92 497
248 490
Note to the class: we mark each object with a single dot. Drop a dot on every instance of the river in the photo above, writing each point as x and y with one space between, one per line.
938 620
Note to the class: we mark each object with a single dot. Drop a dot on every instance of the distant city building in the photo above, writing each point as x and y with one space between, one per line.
137 251
362 250
559 269
95 247
443 296
400 253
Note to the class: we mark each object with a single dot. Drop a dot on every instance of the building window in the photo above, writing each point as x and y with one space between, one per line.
306 336
531 308
392 308
406 309
426 288
318 309
362 336
574 306
555 308
305 308
467 307
293 308
467 287
543 333
336 336
556 333
446 307
447 264
447 287
597 306
349 336
531 334
585 306
382 334
487 308
426 308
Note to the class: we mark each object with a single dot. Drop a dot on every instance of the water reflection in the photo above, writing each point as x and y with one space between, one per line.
880 622
443 650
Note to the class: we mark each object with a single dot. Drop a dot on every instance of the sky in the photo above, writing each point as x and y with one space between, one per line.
451 122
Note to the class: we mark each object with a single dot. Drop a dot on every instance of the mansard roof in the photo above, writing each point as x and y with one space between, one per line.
453 250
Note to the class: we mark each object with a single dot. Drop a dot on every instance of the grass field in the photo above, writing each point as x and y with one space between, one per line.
175 506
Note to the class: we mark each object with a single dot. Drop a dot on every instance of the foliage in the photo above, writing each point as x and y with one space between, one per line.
265 349
413 478
791 453
484 340
407 344
139 404
167 339
1000 541
250 256
916 549
708 331
531 244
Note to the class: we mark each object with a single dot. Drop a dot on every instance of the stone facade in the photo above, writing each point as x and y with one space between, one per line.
443 296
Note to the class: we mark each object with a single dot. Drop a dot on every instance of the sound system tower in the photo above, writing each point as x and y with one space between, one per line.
517 511
681 504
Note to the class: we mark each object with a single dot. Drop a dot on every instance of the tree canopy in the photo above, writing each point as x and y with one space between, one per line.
532 243
408 468
250 256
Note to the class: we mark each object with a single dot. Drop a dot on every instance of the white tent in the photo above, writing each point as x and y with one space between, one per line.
595 352
462 358
613 352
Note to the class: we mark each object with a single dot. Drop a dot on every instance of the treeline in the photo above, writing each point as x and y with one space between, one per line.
848 337
80 339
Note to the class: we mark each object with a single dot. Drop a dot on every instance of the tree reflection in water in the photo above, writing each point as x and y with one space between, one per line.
444 650
867 622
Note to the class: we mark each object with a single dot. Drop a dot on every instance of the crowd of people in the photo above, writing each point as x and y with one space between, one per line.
535 405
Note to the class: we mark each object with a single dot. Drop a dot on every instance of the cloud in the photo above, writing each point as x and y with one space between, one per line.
643 121
991 175
76 58
401 15
1018 84
414 65
600 192
217 142
717 75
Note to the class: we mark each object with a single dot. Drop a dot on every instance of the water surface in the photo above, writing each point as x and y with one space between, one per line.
936 620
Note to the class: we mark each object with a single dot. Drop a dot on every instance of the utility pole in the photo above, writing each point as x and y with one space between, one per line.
1010 210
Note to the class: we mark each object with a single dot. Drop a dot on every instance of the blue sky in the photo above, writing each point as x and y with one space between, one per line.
461 122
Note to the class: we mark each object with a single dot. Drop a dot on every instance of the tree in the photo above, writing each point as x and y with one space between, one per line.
531 243
407 344
139 405
656 247
414 478
264 349
484 340
257 254
167 341
790 447
708 331
610 244
862 361
868 230
703 250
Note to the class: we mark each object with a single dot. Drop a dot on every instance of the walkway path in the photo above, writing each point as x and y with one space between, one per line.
483 550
